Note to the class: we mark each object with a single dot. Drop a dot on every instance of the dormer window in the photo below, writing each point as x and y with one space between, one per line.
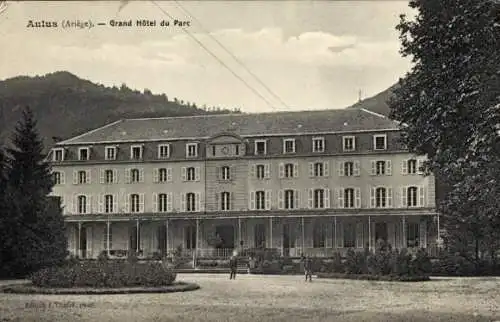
348 143
58 154
83 154
260 147
380 142
318 144
136 152
163 151
110 153
289 146
191 150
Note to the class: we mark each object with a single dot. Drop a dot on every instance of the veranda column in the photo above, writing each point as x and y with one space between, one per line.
303 235
404 232
335 232
79 243
438 231
370 233
196 246
137 237
108 224
166 237
270 232
239 233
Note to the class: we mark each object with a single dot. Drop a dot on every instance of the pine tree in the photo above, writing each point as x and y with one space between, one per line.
39 238
449 105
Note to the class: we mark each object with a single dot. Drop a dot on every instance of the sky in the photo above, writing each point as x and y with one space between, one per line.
308 54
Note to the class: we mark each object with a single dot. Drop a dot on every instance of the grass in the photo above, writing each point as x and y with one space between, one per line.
273 298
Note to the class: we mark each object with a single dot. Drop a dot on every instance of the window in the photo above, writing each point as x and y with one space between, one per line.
260 171
225 201
190 237
108 204
190 202
412 166
318 144
82 177
190 174
110 153
192 150
290 199
260 200
58 177
82 204
412 195
162 175
108 176
348 143
237 149
163 151
260 147
381 167
162 202
319 235
289 146
412 234
349 235
348 169
214 152
134 203
83 154
135 176
136 152
225 173
380 142
319 198
108 236
288 170
349 198
380 197
58 155
318 169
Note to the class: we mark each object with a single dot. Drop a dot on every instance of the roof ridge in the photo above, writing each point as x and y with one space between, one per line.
88 132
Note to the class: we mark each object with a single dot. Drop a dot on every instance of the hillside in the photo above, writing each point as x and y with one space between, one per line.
376 103
66 105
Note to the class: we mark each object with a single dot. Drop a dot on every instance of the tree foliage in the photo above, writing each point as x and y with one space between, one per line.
449 105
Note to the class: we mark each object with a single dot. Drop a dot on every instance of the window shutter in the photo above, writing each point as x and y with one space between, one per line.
281 170
374 167
310 200
169 174
170 201
327 198
295 170
326 169
340 234
155 203
280 199
63 177
232 173
267 171
102 172
423 234
89 204
357 198
232 199
183 202
115 176
340 197
372 197
269 196
141 202
357 168
420 164
251 205
141 175
100 204
183 174
404 194
197 174
127 175
90 237
389 197
115 203
127 202
421 196
89 176
296 196
341 168
388 165
156 178
252 171
359 235
311 169
404 167
75 177
198 201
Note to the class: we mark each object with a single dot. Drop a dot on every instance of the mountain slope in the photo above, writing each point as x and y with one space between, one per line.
376 103
66 105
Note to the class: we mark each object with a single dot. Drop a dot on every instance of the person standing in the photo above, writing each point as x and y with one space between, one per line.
308 268
233 265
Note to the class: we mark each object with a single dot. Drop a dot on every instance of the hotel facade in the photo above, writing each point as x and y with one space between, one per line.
313 183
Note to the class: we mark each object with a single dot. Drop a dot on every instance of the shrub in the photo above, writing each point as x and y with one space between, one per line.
371 277
355 262
381 262
104 274
421 264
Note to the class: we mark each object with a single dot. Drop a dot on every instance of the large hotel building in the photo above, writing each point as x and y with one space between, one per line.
311 182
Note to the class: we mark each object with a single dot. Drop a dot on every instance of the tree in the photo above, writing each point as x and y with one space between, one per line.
38 238
448 106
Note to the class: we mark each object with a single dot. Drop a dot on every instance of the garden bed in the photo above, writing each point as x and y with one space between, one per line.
29 288
370 277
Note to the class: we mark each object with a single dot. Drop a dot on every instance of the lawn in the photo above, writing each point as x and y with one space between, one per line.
273 298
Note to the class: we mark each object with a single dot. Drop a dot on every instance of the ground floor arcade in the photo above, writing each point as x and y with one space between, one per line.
218 237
